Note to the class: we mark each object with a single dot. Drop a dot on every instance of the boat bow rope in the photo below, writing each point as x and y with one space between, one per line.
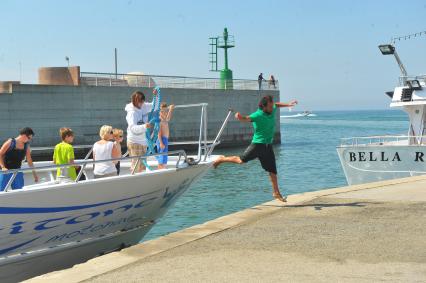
154 120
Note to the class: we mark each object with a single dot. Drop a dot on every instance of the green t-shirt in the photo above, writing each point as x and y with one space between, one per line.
63 154
264 126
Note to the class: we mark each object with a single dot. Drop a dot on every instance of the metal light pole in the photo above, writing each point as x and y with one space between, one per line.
115 62
389 49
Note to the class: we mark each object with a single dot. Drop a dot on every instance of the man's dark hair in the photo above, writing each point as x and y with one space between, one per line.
26 131
264 101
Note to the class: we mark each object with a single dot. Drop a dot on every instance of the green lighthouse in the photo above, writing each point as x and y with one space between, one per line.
226 41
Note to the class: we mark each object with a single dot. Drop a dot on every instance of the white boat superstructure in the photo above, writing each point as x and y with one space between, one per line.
57 223
376 158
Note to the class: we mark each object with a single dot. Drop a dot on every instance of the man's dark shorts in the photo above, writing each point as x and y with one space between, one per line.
264 152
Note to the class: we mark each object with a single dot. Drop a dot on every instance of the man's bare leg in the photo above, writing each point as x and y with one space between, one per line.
276 193
227 159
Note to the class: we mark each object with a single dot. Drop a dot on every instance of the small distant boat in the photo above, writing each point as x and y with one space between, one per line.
308 114
298 115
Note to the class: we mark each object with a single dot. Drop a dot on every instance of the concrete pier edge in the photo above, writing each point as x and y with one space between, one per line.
103 264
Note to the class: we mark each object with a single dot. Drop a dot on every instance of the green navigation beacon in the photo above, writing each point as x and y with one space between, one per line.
226 41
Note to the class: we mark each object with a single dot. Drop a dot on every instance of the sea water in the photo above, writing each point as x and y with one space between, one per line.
306 160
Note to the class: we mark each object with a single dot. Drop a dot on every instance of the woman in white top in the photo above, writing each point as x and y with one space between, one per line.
105 149
137 123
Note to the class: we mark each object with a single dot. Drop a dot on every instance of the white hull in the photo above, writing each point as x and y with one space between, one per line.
48 227
23 269
371 163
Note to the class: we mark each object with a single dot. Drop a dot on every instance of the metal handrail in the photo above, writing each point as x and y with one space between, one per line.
180 153
139 80
78 163
43 148
219 134
383 136
403 79
379 139
84 166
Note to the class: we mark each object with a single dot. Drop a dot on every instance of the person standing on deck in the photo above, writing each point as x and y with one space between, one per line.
137 123
261 145
64 154
164 134
12 153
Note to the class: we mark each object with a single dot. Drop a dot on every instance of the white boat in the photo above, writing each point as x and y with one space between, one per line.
376 158
298 115
55 224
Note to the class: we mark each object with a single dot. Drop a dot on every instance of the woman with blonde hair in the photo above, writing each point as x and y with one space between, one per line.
105 149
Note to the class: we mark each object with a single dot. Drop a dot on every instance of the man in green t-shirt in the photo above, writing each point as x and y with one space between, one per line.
261 145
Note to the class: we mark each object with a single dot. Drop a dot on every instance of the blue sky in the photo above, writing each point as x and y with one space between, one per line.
324 53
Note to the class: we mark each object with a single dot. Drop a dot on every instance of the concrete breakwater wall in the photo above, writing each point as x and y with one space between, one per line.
46 108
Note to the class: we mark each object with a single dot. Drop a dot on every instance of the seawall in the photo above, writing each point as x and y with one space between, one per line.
46 108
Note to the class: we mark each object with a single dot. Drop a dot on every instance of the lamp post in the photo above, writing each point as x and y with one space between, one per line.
389 49
115 62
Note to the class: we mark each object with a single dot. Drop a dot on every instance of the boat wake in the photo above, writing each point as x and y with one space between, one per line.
298 115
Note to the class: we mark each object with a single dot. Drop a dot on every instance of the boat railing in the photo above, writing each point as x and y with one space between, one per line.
202 138
404 79
383 140
182 158
141 80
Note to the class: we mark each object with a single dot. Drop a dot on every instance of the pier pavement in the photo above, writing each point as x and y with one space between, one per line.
363 233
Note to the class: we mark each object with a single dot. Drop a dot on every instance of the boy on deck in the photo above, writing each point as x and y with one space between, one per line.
64 154
163 134
118 139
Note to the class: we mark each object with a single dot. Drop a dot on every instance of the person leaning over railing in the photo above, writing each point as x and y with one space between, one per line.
272 82
12 153
105 149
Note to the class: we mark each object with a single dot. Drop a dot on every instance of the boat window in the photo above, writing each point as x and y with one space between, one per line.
414 84
389 93
407 94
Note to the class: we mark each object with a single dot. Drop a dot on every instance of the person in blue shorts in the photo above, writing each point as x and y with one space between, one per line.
163 134
12 153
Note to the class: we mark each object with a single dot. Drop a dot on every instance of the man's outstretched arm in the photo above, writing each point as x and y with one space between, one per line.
283 104
242 118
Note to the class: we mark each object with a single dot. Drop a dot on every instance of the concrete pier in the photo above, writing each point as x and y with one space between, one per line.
364 233
46 108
